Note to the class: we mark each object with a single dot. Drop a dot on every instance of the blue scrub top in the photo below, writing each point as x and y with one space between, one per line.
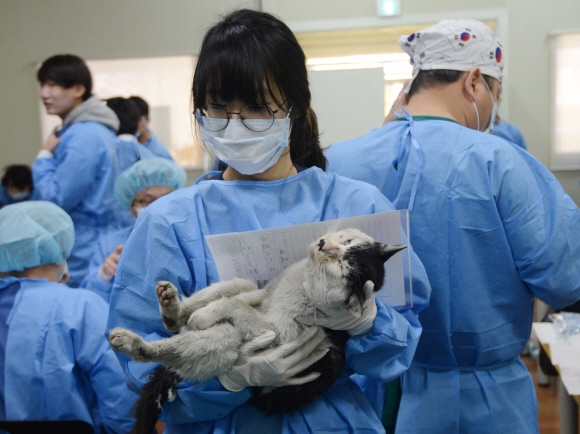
81 179
168 243
58 364
108 242
158 148
493 228
510 133
7 296
5 198
128 153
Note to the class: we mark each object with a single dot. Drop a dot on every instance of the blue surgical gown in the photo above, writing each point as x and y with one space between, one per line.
128 153
158 148
493 228
57 362
168 243
81 179
511 133
108 242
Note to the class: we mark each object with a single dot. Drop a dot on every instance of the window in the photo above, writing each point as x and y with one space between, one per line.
566 102
165 83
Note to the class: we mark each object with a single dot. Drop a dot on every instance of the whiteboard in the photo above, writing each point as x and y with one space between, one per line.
348 103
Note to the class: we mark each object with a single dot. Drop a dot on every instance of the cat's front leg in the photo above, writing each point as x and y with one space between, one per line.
131 344
169 305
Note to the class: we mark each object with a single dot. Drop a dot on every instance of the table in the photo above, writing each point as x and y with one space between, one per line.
568 403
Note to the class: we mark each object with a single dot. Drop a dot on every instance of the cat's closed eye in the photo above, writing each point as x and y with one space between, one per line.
347 242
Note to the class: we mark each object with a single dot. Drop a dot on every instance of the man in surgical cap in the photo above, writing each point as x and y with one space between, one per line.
136 188
491 224
55 360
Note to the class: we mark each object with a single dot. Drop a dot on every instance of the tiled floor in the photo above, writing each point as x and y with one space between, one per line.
548 402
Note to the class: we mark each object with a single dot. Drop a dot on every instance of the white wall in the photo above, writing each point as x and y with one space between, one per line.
32 30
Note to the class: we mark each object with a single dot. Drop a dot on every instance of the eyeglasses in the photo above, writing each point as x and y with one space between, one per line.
143 203
255 117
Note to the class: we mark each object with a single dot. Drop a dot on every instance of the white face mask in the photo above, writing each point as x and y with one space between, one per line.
249 152
138 209
19 196
64 272
489 128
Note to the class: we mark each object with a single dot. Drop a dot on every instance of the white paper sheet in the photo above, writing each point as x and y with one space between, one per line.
571 379
262 255
546 332
565 354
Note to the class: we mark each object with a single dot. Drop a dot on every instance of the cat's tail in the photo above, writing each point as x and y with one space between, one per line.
148 407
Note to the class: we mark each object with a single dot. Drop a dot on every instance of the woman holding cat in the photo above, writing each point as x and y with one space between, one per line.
252 101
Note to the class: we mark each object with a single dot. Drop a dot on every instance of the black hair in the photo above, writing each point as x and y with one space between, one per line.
19 176
66 70
436 77
128 113
142 104
247 51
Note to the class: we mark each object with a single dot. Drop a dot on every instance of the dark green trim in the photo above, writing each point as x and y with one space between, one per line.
430 118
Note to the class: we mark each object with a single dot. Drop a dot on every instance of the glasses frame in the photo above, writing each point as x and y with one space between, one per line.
228 117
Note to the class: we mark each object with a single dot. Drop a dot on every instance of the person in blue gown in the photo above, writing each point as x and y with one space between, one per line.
77 166
510 132
145 136
17 185
55 360
252 67
492 225
136 188
129 150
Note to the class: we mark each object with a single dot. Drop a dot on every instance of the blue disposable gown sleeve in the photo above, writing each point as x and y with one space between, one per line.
94 283
65 178
387 351
134 306
106 245
97 360
542 224
4 198
156 147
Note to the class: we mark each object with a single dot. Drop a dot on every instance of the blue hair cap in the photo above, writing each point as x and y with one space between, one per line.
150 172
34 233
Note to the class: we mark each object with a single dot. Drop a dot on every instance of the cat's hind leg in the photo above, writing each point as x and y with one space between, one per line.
176 312
194 355
233 310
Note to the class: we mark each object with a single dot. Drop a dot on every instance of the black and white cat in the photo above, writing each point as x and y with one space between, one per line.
220 318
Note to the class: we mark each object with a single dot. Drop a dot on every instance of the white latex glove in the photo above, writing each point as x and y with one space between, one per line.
276 366
342 319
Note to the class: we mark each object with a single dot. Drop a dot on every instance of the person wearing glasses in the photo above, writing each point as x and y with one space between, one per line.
135 189
252 103
492 225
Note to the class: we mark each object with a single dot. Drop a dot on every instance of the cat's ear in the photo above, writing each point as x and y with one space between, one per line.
390 249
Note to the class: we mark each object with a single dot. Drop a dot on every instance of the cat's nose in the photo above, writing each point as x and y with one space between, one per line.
326 246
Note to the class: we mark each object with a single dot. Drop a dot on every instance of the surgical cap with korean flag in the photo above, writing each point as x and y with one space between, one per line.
458 45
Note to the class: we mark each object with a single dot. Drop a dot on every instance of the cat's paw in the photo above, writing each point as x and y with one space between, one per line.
166 293
128 343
